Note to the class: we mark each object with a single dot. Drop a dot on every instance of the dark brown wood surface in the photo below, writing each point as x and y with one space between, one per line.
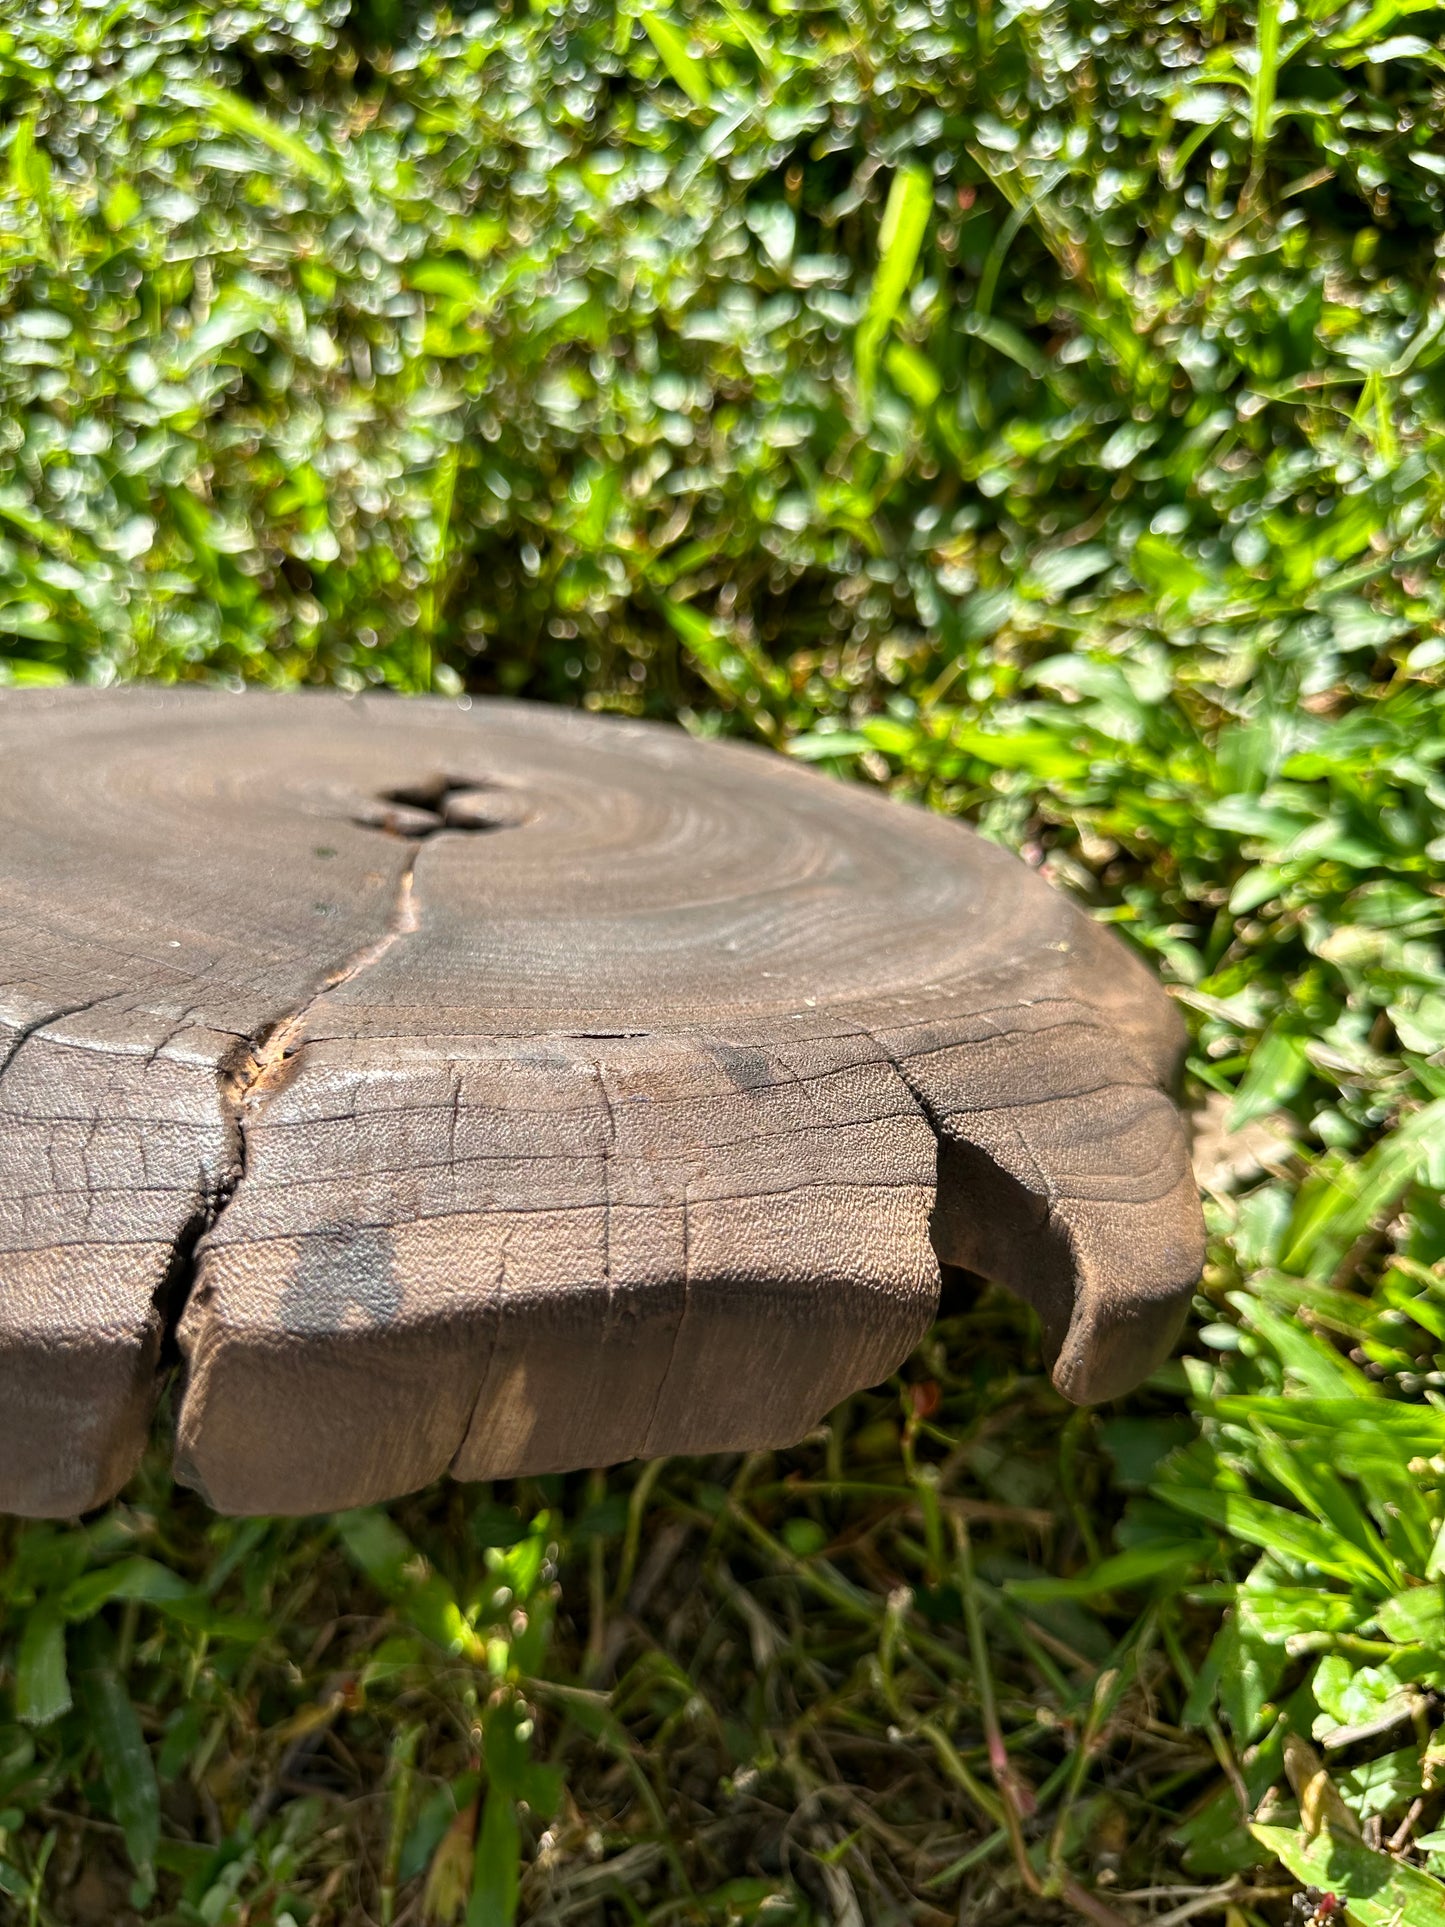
495 1089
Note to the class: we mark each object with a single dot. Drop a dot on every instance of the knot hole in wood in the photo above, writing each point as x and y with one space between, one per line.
468 803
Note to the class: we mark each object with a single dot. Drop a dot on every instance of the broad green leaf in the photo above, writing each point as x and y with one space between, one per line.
398 1571
1416 1617
819 747
1353 1695
121 206
136 1578
1386 1784
382 1550
1377 1891
1039 751
1249 1671
239 313
29 163
1280 1613
1055 573
1278 1068
776 226
914 374
450 280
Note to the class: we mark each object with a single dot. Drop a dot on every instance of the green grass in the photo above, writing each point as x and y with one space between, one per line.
1039 410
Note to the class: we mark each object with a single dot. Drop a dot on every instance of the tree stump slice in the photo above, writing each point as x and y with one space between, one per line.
503 1090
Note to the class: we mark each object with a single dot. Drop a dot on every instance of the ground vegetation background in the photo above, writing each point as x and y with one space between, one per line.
1036 408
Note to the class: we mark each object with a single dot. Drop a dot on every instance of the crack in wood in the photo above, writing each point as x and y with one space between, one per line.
270 1059
23 1033
271 1056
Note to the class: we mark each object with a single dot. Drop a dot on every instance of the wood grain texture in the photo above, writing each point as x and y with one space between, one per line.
495 1089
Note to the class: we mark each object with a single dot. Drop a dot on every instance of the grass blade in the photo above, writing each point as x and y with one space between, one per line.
126 1763
497 1871
1265 79
42 1684
242 118
685 68
1274 1529
905 222
1332 1215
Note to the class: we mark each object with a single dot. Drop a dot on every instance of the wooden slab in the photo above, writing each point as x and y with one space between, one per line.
498 1089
